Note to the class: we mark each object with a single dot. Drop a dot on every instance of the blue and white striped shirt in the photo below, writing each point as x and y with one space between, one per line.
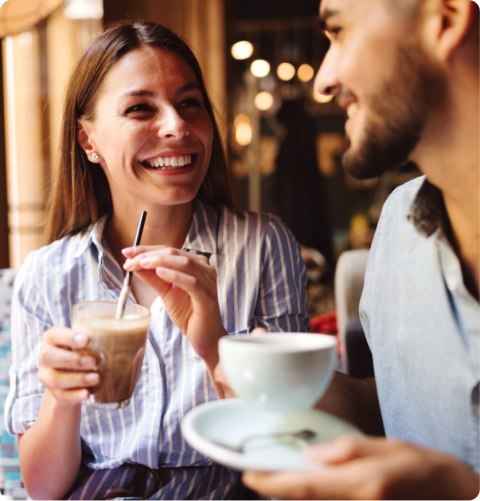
261 282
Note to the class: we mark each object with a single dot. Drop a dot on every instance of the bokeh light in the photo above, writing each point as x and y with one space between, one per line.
322 98
242 49
285 71
242 129
305 72
263 101
260 68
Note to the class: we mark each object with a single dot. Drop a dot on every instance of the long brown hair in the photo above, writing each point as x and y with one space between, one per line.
80 193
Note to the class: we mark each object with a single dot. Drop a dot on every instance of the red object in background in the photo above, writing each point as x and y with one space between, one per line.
325 323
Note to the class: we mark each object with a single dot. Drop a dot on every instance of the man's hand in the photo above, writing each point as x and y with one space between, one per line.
361 467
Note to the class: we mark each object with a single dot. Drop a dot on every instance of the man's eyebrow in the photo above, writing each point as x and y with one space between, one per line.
324 17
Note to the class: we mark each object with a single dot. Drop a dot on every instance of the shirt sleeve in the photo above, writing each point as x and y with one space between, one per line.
29 320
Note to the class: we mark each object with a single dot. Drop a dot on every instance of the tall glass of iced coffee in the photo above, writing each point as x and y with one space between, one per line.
117 344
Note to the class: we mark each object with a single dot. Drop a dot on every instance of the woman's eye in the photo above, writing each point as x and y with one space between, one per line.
191 102
141 108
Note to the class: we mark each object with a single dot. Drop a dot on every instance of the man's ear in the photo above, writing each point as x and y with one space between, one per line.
457 19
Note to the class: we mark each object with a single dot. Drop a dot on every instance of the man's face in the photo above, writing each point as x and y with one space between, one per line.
381 77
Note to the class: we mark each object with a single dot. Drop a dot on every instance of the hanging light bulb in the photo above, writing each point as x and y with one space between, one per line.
321 98
285 71
263 101
260 68
242 129
242 49
305 72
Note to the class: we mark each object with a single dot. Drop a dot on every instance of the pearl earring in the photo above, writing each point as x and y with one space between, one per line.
95 157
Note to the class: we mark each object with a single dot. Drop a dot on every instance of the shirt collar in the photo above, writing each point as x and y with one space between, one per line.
427 212
201 237
93 234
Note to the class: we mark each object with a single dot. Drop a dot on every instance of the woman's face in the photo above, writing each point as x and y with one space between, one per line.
150 129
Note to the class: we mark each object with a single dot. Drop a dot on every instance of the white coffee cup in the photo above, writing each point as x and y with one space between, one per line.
281 372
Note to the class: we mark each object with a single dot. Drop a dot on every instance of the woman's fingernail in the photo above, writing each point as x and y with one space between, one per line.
80 340
88 362
92 377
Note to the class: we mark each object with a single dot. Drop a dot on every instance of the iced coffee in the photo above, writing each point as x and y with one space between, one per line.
117 345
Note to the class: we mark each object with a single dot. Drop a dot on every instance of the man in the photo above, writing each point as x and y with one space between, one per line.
407 73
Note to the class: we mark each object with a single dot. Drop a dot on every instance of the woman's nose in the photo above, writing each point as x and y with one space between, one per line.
172 124
326 81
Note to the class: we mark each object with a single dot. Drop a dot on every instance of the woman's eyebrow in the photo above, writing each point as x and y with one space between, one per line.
137 93
148 93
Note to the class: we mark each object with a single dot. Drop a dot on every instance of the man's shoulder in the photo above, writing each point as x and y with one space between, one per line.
395 232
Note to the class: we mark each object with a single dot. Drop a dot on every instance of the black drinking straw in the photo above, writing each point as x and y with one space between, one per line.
122 300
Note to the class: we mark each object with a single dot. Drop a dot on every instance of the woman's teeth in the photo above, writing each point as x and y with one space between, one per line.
169 162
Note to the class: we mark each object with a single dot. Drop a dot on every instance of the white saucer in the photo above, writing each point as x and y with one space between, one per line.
230 421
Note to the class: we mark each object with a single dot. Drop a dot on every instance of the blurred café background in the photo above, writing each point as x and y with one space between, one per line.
259 57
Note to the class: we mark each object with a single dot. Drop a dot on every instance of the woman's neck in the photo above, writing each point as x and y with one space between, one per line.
163 226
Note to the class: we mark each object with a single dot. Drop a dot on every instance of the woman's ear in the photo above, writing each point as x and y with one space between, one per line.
458 18
83 138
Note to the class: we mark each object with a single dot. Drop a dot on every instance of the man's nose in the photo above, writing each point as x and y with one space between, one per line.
172 124
326 81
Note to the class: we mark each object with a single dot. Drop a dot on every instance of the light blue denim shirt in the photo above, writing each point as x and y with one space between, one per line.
261 282
423 327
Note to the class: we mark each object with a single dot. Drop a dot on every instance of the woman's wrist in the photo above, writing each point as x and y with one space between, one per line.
208 350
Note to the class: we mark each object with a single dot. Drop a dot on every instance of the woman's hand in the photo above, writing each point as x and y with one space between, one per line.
65 373
361 467
55 435
187 284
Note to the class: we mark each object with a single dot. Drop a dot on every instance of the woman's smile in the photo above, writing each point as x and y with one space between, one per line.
168 162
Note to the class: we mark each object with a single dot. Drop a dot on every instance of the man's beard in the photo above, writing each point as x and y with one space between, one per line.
400 111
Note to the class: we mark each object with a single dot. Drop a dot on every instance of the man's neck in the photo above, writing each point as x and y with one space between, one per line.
449 155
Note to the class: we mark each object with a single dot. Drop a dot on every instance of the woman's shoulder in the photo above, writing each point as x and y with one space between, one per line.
259 230
250 227
53 257
263 220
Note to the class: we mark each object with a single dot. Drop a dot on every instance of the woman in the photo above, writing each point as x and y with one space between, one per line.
139 134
